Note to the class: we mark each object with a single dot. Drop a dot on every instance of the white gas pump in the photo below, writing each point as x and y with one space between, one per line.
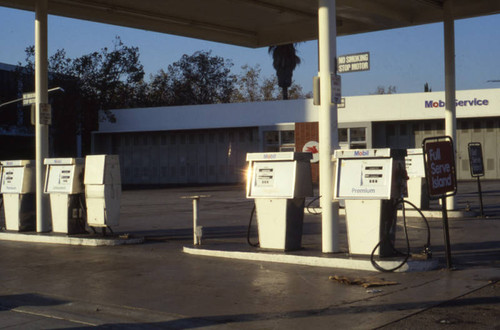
103 190
18 189
64 183
417 185
370 181
279 183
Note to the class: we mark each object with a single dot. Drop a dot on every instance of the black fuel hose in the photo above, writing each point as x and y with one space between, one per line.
249 229
386 238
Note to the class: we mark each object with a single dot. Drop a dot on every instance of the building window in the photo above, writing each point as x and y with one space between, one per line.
357 137
490 125
343 135
439 126
275 141
414 128
287 137
477 126
271 137
358 134
402 129
464 126
390 130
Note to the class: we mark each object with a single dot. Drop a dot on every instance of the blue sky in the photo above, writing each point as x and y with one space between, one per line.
405 58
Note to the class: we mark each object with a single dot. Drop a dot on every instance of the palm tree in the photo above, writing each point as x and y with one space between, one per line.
285 60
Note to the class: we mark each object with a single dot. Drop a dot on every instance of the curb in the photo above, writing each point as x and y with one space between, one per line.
328 262
68 240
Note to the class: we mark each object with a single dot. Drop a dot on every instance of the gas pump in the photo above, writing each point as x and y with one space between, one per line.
417 185
370 181
279 183
18 190
64 183
103 190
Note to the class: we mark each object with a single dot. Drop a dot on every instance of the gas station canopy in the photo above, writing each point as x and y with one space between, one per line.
257 23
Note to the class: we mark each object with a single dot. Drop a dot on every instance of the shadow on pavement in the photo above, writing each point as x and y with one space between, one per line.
10 302
199 322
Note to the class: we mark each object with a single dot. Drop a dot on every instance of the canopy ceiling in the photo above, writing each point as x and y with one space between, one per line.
257 23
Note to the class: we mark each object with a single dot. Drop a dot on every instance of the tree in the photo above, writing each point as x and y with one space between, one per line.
251 88
427 89
270 90
248 85
159 90
382 90
201 79
104 80
285 60
112 77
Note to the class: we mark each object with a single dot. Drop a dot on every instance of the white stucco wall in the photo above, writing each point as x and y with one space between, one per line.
369 108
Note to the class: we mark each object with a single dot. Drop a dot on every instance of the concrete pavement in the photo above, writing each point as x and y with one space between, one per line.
156 285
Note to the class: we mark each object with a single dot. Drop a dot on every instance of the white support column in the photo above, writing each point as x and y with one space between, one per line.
41 96
328 129
450 117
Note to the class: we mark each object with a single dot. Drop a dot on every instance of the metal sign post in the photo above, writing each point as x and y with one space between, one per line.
441 178
477 168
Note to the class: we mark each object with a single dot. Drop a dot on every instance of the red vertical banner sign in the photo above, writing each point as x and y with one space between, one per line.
440 167
440 173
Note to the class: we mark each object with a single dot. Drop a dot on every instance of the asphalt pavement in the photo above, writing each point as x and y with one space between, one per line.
156 285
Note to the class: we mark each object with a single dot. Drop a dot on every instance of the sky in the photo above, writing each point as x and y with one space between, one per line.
405 58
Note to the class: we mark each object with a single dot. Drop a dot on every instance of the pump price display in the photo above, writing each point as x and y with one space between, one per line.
265 177
60 179
440 167
12 179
